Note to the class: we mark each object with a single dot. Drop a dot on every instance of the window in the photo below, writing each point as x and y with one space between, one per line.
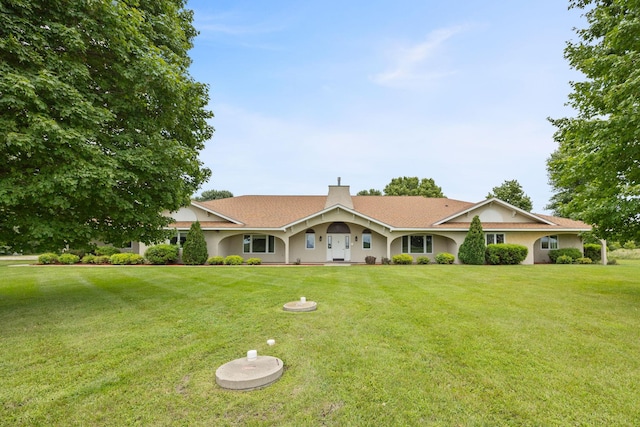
310 239
179 238
493 238
549 242
417 244
258 243
366 239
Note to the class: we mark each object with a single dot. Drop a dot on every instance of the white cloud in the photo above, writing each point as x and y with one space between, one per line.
417 63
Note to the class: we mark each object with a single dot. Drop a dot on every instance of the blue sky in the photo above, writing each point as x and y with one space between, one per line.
458 91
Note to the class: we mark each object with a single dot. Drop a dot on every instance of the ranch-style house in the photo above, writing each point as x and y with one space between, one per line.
342 228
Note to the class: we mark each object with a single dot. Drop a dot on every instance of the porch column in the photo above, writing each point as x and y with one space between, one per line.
388 247
603 252
286 249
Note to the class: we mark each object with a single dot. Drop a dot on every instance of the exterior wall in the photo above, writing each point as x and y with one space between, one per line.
564 241
190 213
441 243
493 213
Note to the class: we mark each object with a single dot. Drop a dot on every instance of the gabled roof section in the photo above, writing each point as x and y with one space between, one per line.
266 211
201 205
407 211
514 209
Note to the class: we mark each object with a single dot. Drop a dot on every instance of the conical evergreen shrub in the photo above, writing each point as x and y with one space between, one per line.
472 250
194 250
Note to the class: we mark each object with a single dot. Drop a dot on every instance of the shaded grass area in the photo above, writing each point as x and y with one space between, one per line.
388 345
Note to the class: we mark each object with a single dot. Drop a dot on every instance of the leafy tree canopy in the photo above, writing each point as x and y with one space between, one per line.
412 186
213 195
512 192
595 170
370 192
100 122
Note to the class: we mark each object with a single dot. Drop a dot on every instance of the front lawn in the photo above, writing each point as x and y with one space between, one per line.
388 345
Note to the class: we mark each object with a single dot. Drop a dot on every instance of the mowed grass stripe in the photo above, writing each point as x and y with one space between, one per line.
394 345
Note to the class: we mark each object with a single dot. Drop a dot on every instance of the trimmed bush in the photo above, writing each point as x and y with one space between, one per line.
505 254
194 250
254 261
472 250
629 245
423 260
370 259
103 259
106 251
68 259
161 254
385 261
48 258
593 251
126 259
215 260
584 260
233 260
445 258
403 259
88 259
574 253
564 259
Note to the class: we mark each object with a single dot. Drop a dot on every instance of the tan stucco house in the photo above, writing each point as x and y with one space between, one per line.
340 227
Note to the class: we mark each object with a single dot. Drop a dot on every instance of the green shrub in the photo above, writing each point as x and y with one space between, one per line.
403 259
161 254
612 246
233 260
385 261
612 262
194 250
88 259
629 245
505 254
445 258
48 258
584 260
370 260
424 260
254 261
68 258
472 250
574 253
126 259
103 259
593 251
564 259
106 251
215 260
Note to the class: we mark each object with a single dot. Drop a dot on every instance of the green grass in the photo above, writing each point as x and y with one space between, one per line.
549 345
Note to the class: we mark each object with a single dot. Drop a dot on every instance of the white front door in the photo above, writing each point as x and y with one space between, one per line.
338 247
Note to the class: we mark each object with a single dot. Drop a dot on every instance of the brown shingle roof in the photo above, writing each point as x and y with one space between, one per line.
395 211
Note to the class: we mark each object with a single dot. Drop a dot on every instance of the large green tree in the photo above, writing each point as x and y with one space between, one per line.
213 195
101 123
595 171
512 192
412 186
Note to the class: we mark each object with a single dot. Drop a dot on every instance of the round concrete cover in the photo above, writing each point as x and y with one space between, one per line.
300 306
245 374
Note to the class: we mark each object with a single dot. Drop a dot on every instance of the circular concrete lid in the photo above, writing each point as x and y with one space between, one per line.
300 306
244 374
